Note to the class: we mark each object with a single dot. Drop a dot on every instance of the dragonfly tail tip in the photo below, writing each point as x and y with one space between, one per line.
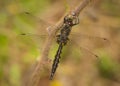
50 78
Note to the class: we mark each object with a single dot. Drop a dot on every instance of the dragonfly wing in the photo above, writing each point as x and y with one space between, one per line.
82 50
37 39
86 45
39 25
33 39
89 40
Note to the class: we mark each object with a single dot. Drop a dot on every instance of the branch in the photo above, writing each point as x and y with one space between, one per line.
41 69
81 6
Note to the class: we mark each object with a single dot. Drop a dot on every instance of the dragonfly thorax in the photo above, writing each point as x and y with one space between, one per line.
62 39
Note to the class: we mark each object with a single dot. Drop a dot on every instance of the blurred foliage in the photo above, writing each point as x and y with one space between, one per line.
107 67
17 53
15 74
12 62
111 7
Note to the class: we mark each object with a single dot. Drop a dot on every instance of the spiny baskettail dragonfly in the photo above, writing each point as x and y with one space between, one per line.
62 37
69 21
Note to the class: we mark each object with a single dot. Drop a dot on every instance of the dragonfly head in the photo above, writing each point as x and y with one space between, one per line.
71 19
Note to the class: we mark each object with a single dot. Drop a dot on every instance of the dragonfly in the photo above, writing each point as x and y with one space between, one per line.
62 38
69 21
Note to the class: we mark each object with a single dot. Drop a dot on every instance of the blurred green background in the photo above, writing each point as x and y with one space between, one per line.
17 53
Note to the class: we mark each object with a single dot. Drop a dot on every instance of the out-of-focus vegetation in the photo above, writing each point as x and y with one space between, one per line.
77 67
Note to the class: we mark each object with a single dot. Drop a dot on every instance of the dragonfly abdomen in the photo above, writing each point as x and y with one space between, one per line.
56 60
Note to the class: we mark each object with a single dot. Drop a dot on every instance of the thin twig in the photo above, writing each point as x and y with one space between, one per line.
81 6
42 65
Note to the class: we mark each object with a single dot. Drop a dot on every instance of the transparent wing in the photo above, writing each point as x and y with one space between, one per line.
86 51
38 40
39 25
33 39
86 45
90 41
39 31
82 50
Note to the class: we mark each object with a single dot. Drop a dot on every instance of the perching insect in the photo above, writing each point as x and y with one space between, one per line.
69 21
